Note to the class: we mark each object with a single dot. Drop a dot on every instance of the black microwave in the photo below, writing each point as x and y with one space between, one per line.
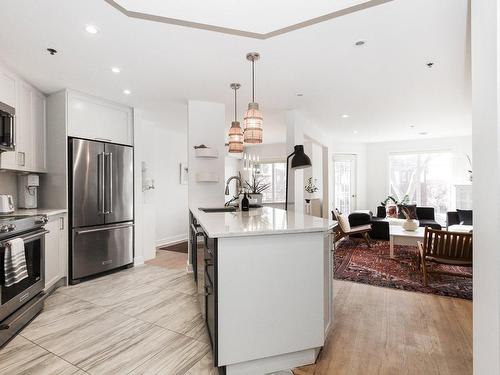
7 127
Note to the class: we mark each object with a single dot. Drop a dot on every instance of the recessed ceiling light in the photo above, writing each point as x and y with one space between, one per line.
299 94
91 29
423 133
127 92
430 64
360 43
115 70
52 51
345 115
412 126
355 132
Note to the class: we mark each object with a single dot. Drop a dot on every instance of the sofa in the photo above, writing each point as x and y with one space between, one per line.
459 221
380 224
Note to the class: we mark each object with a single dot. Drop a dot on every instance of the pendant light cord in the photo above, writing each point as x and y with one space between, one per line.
235 104
253 81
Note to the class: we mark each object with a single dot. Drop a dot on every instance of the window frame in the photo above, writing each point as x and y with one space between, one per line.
273 162
418 195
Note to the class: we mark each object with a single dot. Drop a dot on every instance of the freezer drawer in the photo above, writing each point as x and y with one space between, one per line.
102 248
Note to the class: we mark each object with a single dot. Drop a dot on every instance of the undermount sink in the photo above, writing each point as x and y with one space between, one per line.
218 209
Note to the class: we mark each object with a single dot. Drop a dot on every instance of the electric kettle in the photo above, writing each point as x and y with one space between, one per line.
6 204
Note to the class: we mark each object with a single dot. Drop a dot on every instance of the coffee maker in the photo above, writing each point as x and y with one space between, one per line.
27 186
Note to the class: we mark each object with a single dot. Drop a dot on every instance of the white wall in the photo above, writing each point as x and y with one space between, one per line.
486 191
231 168
171 196
145 220
377 164
161 141
268 151
206 125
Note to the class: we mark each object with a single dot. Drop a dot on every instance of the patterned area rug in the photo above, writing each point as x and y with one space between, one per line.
354 261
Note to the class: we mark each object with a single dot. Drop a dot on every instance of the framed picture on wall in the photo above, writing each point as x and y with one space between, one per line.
184 173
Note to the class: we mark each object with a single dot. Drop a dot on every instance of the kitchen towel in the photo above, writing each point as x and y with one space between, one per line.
14 262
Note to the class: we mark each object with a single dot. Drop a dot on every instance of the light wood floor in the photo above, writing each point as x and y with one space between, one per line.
386 331
169 259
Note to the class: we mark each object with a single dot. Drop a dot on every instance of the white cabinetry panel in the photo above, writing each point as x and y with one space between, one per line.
93 118
30 130
7 88
38 131
56 250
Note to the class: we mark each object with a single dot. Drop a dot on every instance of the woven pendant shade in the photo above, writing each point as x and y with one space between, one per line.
252 122
235 138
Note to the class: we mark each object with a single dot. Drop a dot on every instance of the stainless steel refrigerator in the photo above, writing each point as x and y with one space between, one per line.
101 207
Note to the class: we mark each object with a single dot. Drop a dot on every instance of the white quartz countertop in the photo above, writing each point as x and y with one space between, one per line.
37 211
259 221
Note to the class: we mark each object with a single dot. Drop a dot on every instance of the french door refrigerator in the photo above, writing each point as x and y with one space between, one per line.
101 207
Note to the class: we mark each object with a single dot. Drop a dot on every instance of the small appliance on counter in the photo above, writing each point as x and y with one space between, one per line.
27 186
6 204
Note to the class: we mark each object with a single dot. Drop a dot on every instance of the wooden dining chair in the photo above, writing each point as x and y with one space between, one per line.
443 247
344 229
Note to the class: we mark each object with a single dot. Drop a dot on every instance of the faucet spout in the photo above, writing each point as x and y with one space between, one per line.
238 185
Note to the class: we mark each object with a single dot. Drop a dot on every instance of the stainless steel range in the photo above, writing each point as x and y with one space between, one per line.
21 301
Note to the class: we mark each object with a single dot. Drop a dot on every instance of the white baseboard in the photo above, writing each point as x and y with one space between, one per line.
138 260
171 240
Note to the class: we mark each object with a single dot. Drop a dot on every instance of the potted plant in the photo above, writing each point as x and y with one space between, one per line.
391 205
411 224
310 188
256 187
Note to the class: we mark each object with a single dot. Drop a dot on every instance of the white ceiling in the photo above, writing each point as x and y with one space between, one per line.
385 86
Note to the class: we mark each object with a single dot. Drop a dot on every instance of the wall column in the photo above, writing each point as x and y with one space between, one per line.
486 185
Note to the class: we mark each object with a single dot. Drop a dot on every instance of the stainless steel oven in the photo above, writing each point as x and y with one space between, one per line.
7 128
21 301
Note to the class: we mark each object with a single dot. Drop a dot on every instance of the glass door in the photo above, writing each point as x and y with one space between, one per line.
344 183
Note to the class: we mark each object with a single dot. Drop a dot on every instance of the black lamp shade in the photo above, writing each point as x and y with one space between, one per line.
300 160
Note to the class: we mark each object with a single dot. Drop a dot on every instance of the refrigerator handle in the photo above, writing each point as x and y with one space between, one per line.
110 182
100 184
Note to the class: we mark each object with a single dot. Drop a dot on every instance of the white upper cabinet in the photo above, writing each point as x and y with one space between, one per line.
30 129
94 118
7 88
38 131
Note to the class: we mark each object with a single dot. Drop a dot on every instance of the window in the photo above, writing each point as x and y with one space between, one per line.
425 177
273 174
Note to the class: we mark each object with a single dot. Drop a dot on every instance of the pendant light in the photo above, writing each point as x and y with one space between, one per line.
252 120
235 131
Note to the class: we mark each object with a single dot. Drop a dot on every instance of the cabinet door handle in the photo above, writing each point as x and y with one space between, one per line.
21 156
61 223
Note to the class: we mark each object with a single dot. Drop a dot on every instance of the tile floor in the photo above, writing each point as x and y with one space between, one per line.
144 320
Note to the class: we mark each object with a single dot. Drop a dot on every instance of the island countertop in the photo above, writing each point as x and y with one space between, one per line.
259 221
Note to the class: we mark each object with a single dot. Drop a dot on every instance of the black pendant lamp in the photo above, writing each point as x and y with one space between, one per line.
299 161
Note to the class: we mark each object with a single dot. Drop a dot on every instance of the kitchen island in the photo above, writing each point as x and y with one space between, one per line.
265 285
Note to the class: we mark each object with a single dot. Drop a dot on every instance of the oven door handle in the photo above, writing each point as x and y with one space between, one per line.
25 238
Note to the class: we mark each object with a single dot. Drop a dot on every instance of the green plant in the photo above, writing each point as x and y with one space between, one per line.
404 201
257 186
311 187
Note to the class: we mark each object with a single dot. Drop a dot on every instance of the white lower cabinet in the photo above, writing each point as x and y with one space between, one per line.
56 250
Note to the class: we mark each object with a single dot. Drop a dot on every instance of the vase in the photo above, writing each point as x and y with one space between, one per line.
256 198
411 225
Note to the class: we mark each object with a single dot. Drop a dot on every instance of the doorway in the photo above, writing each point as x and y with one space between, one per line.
344 182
